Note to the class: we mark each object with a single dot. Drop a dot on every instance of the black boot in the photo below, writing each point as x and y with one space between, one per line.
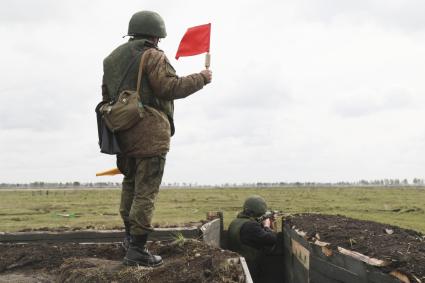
138 254
127 238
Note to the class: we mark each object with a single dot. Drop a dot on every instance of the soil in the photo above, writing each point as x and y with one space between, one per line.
185 260
404 249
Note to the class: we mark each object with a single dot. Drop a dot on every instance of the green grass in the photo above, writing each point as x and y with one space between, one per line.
99 208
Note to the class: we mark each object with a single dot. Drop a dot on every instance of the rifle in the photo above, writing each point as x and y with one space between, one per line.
272 214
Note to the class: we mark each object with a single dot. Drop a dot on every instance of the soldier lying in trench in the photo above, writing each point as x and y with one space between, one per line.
251 235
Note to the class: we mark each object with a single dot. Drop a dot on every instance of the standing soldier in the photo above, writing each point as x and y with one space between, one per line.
143 169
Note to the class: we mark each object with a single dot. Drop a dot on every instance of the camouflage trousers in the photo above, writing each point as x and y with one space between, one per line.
139 190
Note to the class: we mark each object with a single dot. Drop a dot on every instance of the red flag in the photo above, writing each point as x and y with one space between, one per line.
195 41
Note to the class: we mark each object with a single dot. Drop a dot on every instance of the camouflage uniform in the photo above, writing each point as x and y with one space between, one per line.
139 192
260 246
160 86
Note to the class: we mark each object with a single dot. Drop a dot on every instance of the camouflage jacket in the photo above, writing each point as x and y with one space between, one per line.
160 86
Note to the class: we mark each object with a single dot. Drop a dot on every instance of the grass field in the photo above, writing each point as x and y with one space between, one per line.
99 208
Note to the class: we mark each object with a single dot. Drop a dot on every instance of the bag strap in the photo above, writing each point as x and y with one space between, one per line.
122 79
140 74
126 73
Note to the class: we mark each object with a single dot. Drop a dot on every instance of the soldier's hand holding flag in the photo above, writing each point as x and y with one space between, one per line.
196 41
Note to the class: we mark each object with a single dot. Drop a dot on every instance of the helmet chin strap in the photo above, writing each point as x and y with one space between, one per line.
155 40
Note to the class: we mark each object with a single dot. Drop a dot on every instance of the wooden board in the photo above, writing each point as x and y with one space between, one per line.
211 232
94 236
248 278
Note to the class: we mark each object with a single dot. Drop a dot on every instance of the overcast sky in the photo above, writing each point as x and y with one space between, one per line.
319 90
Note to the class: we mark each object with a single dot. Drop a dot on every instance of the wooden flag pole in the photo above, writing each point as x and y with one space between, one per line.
111 172
207 60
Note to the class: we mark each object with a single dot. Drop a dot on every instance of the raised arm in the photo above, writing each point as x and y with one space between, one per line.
164 81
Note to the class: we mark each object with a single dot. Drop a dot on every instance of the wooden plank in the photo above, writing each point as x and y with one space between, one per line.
334 272
96 236
211 215
301 254
211 232
299 263
300 273
322 252
300 239
377 276
287 254
317 277
402 277
248 278
364 258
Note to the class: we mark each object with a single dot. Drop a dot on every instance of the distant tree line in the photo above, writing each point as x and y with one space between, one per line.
60 185
416 182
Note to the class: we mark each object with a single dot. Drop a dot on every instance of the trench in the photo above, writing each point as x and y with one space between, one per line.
304 259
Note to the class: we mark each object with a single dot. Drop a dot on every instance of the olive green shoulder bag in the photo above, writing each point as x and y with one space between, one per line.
127 110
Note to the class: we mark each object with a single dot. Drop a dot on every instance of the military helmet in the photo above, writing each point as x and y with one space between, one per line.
255 206
147 23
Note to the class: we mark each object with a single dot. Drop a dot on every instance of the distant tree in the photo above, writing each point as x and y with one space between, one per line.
418 182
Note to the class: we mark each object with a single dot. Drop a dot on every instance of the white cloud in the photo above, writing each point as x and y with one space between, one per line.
389 14
367 102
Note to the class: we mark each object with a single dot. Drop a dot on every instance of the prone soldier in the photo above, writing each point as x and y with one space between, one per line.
252 235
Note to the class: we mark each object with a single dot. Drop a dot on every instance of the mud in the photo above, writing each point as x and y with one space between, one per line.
403 249
184 261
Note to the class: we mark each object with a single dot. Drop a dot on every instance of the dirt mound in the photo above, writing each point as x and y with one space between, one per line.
45 256
184 261
403 249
